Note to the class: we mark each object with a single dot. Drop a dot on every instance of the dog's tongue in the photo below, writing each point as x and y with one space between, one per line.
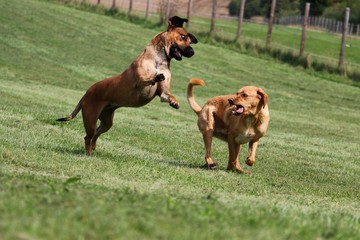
240 110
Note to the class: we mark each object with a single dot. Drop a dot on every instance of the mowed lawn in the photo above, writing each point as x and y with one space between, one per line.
145 179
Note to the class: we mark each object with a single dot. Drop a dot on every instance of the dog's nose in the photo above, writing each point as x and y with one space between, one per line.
191 52
188 52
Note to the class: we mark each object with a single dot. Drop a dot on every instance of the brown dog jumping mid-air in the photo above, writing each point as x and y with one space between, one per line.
237 119
147 76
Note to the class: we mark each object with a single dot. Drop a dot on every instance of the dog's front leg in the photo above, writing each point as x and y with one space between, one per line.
168 97
234 149
252 151
165 95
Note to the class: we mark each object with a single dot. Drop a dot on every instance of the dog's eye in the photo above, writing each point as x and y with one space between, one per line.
184 37
244 95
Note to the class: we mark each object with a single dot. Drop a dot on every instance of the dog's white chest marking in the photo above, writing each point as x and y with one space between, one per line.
153 67
245 137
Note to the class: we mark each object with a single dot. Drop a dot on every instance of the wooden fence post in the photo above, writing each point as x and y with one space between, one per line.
272 14
337 26
350 27
147 9
213 15
98 2
130 7
303 36
241 16
343 39
188 13
113 4
167 14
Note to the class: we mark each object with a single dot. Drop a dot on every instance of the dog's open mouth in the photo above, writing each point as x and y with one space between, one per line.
238 109
175 52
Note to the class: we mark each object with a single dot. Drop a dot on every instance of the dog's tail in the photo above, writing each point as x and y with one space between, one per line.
73 114
190 96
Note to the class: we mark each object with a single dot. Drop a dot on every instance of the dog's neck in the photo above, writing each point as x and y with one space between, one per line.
161 46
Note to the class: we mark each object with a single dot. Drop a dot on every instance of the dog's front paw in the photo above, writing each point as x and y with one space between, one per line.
159 78
212 166
174 104
249 162
238 170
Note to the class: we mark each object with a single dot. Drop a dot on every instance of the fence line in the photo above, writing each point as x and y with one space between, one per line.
331 25
185 7
180 7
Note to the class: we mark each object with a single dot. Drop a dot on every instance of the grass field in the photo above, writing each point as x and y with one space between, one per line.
145 179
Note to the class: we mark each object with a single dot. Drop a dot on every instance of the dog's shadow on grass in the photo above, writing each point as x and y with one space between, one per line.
70 151
175 163
81 152
170 162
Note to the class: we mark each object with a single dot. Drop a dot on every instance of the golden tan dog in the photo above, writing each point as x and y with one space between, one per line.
147 76
237 119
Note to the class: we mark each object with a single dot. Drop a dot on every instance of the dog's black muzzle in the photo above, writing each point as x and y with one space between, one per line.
188 52
177 53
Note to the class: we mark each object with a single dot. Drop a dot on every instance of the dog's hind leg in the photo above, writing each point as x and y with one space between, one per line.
206 124
106 121
207 136
91 112
90 129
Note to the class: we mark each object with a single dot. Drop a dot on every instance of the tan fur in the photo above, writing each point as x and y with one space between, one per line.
147 76
219 118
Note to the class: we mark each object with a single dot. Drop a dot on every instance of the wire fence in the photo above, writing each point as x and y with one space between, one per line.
326 24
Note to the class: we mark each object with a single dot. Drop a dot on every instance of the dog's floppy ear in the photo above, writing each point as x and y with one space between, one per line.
176 21
192 38
264 97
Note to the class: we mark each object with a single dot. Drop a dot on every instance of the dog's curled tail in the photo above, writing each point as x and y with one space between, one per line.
73 114
190 96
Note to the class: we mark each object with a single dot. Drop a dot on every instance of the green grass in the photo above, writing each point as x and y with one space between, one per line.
322 49
145 179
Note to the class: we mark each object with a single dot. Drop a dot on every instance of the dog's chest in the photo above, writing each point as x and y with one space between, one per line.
152 62
245 136
153 67
244 132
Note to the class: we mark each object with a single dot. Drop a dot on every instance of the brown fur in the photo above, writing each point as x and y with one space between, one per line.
148 76
221 117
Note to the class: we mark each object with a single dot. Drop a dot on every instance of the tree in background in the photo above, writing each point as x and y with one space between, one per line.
317 7
252 8
262 8
336 11
333 9
287 8
284 8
